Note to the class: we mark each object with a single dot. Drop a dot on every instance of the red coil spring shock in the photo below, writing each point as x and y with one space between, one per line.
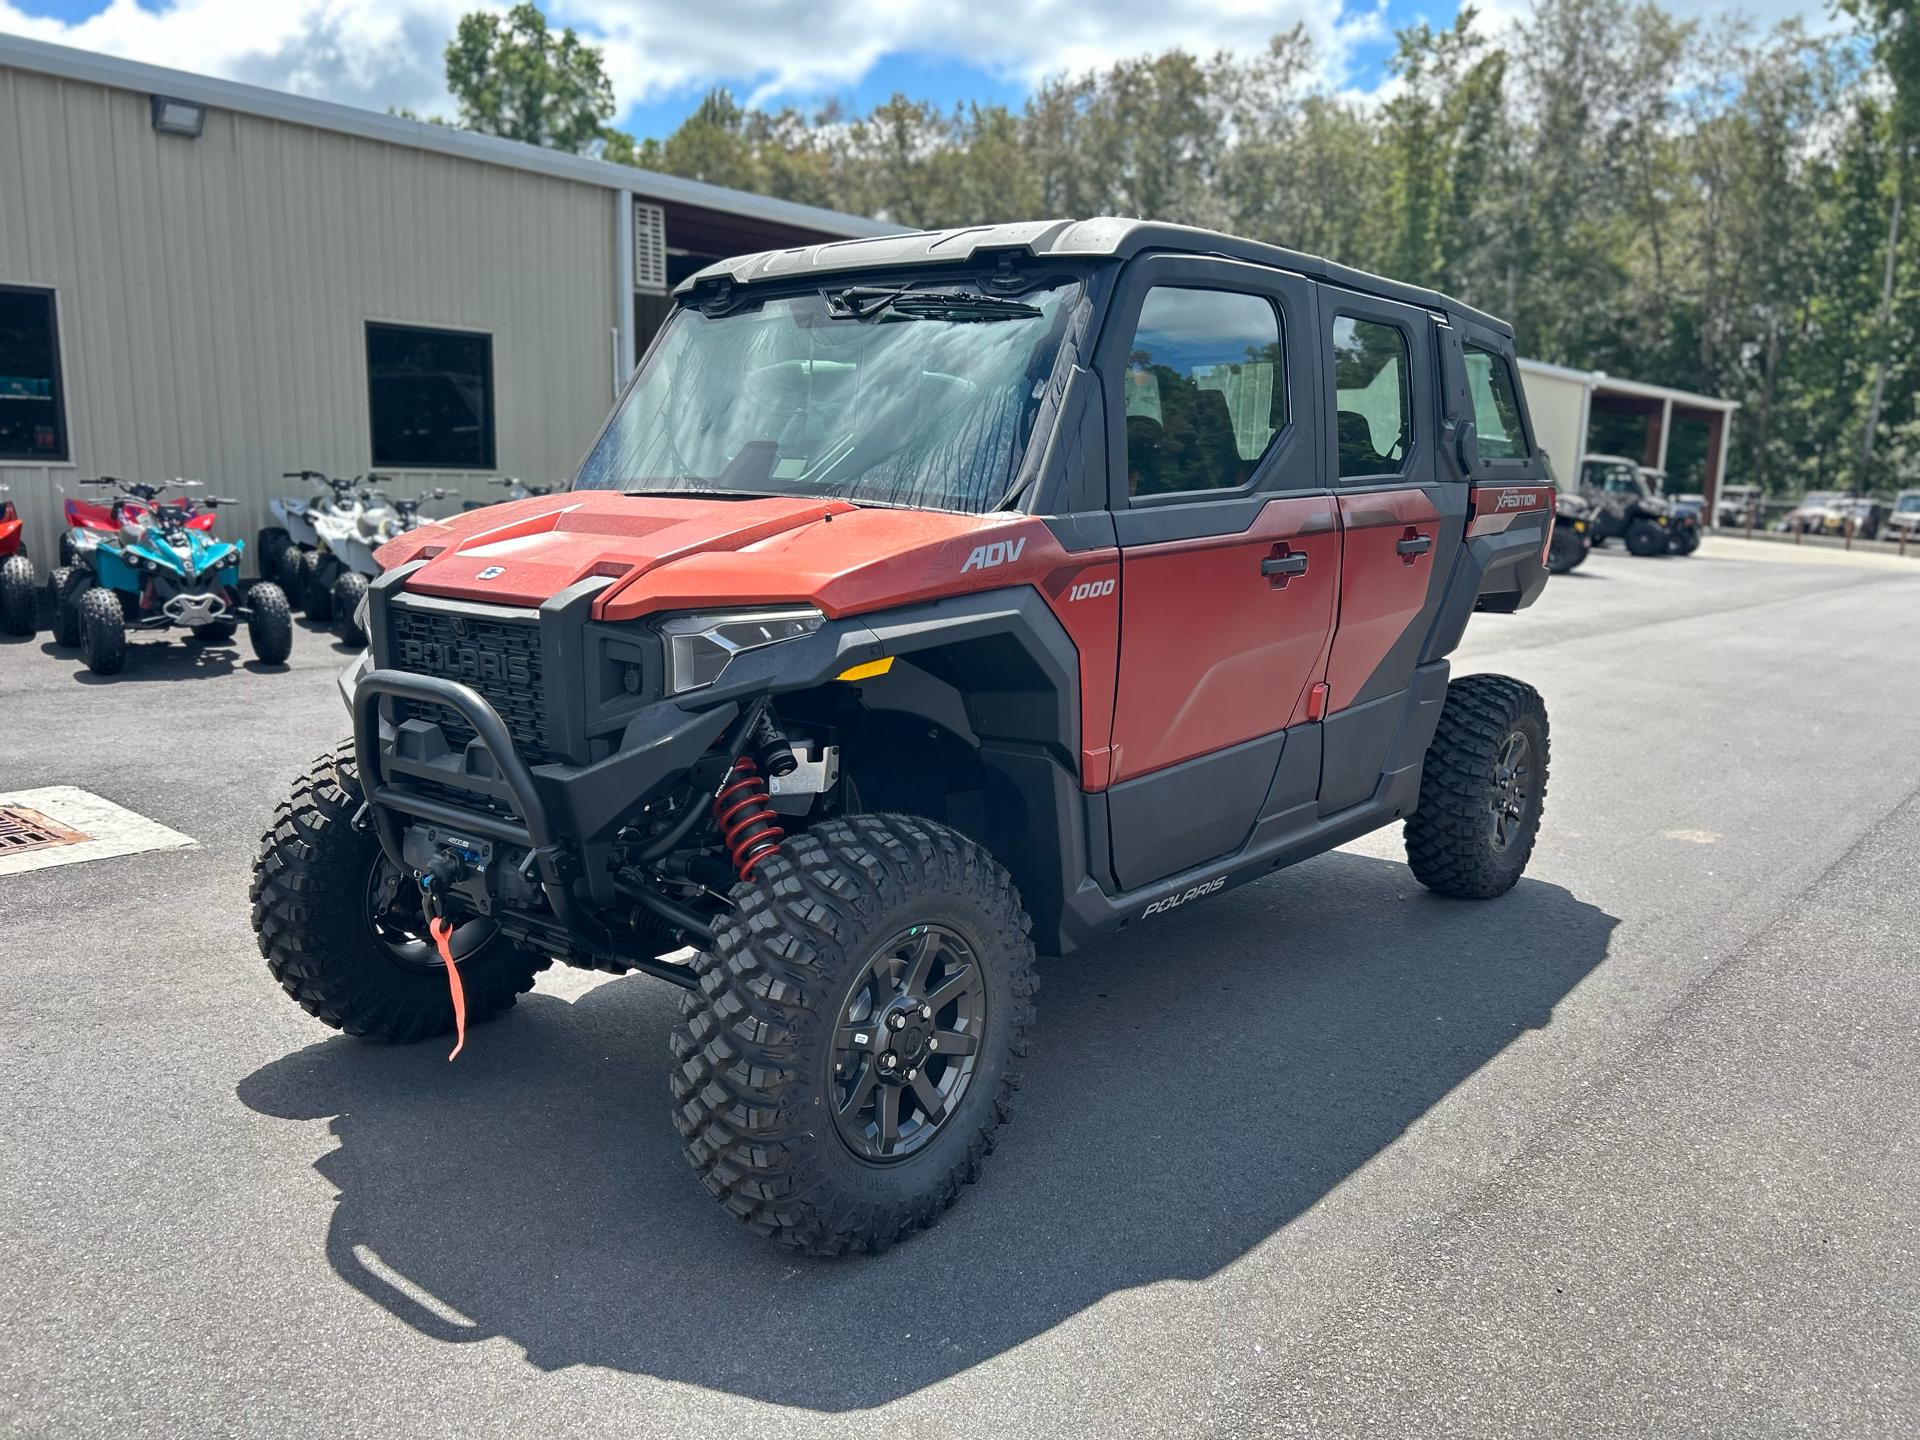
746 816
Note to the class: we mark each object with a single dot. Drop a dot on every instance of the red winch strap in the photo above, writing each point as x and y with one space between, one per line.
442 932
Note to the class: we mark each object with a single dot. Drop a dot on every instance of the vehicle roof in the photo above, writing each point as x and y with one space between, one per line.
1106 237
1614 460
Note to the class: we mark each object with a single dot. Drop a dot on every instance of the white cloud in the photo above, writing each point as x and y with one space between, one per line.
378 53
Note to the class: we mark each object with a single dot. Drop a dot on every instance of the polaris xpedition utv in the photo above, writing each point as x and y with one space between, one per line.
926 603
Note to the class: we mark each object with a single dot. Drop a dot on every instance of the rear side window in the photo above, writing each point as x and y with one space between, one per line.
1496 410
1373 398
1206 390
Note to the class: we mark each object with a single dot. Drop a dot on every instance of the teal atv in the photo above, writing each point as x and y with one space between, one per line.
147 564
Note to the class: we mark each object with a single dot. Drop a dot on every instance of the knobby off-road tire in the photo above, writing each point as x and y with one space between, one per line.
795 977
1566 551
296 566
1646 538
268 546
348 591
269 624
1482 791
63 590
310 911
103 631
19 596
317 599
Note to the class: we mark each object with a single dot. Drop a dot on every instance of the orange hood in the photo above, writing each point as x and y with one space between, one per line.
666 553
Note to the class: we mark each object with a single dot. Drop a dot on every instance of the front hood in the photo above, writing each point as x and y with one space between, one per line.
665 553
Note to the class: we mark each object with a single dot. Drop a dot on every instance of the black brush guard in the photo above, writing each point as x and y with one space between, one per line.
548 855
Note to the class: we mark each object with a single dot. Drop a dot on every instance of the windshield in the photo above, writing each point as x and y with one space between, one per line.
1617 476
1908 504
871 394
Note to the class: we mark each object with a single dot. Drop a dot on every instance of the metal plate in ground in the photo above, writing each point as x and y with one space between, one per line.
22 829
82 826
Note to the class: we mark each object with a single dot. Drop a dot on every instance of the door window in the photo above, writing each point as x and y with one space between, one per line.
1373 398
1496 410
1206 390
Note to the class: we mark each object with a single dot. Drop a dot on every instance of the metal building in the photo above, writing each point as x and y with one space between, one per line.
1570 407
210 280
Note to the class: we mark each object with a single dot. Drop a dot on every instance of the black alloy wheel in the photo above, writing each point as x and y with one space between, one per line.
904 1052
1511 793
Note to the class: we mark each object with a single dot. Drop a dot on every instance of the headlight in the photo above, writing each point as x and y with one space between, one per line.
699 646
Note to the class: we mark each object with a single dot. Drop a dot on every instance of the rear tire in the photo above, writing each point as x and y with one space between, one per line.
270 625
348 962
348 591
295 566
1646 538
69 550
317 598
63 592
1482 791
268 548
103 631
19 596
1566 551
782 1048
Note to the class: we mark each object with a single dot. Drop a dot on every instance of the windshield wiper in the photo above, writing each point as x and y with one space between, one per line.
709 493
869 303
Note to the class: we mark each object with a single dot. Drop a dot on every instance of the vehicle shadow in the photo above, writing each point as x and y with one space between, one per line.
1193 1087
165 655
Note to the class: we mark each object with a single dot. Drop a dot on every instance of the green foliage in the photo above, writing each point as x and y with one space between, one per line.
511 76
1693 204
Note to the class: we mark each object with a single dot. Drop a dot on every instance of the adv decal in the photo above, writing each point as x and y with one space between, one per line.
987 557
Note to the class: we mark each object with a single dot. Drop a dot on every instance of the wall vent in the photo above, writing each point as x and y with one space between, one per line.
649 249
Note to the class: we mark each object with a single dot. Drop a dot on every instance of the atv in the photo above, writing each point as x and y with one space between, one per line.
291 551
1572 518
351 564
150 564
1624 507
515 491
817 697
19 585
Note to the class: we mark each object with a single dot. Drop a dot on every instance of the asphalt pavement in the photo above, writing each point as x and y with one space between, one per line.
1629 1151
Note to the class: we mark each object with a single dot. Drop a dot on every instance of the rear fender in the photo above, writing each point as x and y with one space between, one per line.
1502 567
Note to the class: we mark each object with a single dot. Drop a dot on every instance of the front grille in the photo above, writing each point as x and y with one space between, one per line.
498 658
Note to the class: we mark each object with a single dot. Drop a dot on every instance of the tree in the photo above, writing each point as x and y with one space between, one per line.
512 77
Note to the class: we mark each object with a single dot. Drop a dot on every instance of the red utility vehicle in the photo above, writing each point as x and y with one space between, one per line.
926 603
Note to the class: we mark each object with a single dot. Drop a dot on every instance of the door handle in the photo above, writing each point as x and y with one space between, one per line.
1417 545
1284 565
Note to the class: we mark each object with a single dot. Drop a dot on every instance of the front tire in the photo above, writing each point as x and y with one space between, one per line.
1646 538
269 624
295 568
793 1115
343 935
103 631
1482 790
348 591
268 546
19 596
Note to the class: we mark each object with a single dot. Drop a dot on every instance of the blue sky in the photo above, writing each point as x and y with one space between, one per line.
664 54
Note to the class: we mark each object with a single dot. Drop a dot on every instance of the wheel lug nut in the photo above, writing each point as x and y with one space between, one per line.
897 1022
886 1061
911 1074
934 1044
926 1013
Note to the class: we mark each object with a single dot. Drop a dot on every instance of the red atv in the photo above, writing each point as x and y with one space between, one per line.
928 603
19 585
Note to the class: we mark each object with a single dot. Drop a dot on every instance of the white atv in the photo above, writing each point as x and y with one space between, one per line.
291 551
347 546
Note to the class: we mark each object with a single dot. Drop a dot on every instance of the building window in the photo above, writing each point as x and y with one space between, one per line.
33 422
431 397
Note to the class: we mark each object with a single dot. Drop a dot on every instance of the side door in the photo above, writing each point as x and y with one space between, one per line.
1229 550
1402 514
